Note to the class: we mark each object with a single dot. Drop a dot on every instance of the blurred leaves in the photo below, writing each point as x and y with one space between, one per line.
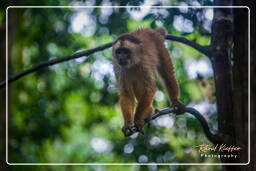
69 112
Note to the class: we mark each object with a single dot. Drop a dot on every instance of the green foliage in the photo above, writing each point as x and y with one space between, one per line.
68 113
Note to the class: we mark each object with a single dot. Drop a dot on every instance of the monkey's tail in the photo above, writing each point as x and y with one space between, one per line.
162 31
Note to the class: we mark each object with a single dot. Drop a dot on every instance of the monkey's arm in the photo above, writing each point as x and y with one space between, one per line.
127 106
165 70
144 109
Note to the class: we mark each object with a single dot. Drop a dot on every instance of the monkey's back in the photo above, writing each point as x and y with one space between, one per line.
149 36
152 41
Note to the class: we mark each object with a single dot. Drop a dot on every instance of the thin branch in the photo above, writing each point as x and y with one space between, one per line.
215 139
56 61
202 49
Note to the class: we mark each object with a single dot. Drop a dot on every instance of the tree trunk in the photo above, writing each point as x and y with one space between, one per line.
222 29
241 91
231 78
2 97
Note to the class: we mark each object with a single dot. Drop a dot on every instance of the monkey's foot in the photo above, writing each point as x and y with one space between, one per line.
139 128
129 130
179 107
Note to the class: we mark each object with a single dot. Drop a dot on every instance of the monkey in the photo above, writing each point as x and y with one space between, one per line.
137 57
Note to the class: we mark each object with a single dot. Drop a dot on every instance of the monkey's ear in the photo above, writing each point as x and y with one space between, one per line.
162 31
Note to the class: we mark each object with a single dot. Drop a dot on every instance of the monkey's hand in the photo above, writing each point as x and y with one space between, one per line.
179 106
129 130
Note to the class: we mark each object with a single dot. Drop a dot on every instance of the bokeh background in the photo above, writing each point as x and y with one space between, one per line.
69 113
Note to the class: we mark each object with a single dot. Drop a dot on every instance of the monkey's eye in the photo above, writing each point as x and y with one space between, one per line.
118 52
122 51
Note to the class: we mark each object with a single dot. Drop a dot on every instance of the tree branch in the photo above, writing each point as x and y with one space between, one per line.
202 49
56 61
215 139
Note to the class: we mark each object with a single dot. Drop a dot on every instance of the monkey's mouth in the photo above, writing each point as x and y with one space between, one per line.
122 62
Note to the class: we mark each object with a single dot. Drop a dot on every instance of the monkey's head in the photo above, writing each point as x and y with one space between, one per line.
127 51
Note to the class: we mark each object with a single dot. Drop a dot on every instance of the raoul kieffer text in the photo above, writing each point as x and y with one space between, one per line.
218 148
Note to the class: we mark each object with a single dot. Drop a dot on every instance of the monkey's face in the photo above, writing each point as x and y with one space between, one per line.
127 55
123 56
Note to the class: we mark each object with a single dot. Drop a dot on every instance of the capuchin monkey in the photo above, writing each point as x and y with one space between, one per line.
136 58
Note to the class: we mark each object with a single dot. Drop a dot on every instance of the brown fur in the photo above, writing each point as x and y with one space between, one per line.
138 79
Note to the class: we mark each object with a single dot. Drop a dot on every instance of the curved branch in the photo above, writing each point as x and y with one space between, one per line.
202 49
56 61
215 139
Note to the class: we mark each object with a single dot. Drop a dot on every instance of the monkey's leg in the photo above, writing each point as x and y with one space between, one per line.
166 71
143 110
127 107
